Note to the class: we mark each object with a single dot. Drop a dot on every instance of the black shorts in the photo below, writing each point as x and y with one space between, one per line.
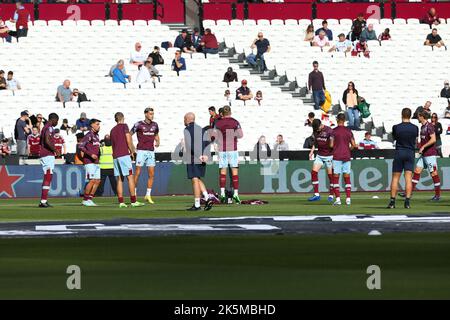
403 160
196 170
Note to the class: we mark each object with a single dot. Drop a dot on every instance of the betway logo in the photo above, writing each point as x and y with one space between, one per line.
278 180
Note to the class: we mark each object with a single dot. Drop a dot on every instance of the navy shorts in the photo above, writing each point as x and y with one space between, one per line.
196 170
403 160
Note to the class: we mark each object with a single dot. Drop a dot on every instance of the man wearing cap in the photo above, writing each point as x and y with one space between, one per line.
196 39
83 123
342 45
22 130
90 151
184 43
147 132
243 92
156 56
445 92
209 43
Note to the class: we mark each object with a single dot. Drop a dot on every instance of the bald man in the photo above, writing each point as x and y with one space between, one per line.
137 56
195 160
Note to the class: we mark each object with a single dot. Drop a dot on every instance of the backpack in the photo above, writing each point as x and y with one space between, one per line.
363 107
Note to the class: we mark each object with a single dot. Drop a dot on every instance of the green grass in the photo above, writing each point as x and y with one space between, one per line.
228 267
170 207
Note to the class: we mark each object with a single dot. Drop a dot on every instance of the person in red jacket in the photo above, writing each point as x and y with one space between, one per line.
21 18
209 43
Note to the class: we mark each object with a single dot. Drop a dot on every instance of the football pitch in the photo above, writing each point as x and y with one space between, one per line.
281 263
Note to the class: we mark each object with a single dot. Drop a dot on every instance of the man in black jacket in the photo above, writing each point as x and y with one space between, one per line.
156 56
445 92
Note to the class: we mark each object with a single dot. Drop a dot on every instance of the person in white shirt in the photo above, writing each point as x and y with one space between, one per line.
280 144
11 83
144 73
342 45
137 57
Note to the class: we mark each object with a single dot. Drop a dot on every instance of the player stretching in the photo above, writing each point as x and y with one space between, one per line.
122 145
342 143
47 156
323 138
229 131
428 153
90 150
405 137
148 138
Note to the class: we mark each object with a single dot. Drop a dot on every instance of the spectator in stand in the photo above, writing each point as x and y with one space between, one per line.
79 96
309 33
309 120
361 47
34 144
22 130
426 108
60 144
196 39
431 18
447 112
367 143
321 40
82 124
369 33
445 92
11 83
227 96
438 130
152 69
3 84
114 66
4 148
243 92
65 126
119 75
280 144
230 76
40 123
433 39
209 43
184 43
262 149
137 57
213 117
63 92
327 31
385 35
178 63
316 83
358 26
4 31
259 97
342 45
144 75
350 99
156 56
262 46
20 18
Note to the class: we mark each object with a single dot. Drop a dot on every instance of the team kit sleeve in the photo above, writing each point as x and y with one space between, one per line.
134 129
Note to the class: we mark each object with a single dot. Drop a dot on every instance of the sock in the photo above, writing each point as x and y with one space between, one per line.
348 187
197 202
222 191
85 197
315 182
205 195
149 191
133 199
415 180
135 191
235 180
120 199
437 185
330 179
392 200
236 192
337 190
91 196
46 186
222 182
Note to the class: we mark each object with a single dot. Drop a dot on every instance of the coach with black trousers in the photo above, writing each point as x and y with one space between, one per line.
195 159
